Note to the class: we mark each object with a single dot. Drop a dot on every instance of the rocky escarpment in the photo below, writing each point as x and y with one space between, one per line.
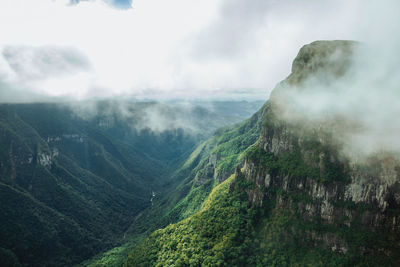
226 149
298 199
298 165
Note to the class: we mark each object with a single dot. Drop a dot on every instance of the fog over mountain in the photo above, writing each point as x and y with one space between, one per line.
197 118
364 99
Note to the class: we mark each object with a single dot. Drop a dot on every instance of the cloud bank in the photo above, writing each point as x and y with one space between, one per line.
166 49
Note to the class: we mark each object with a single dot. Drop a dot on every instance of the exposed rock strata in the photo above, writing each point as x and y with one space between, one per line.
369 193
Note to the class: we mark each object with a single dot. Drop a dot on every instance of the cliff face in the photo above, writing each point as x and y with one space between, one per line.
300 164
299 199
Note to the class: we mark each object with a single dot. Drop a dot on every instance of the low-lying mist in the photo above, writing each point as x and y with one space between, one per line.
193 118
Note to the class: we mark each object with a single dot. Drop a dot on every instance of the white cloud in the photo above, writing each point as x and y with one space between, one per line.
31 63
174 48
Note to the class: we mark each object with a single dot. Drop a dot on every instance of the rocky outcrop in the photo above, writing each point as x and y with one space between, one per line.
322 183
207 170
46 159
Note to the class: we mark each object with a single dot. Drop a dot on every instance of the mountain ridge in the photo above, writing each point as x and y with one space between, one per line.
304 202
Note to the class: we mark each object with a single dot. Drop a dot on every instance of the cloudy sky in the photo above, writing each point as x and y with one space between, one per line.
163 49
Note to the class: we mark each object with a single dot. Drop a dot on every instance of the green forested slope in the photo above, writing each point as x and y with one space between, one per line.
210 163
66 189
70 185
214 236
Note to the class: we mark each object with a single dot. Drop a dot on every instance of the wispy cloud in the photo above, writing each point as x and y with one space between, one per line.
32 63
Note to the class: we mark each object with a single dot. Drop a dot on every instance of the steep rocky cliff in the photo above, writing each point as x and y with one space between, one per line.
300 199
300 166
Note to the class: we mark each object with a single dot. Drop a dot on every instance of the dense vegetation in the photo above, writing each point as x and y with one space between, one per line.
68 190
214 236
211 162
229 231
70 185
292 163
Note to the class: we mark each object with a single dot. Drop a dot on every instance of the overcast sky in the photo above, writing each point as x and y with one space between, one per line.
162 49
